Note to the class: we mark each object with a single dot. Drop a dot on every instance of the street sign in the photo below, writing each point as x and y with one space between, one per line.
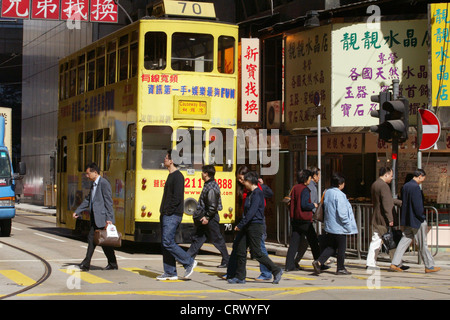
431 129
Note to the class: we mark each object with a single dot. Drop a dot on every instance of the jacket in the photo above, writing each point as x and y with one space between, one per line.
102 204
383 206
412 207
209 202
301 206
338 215
253 209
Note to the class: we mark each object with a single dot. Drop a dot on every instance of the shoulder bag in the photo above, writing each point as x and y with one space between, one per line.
318 215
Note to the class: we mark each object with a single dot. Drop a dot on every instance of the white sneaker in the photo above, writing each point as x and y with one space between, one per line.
166 276
190 269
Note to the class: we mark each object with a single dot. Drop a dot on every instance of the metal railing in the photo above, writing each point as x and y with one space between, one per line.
359 243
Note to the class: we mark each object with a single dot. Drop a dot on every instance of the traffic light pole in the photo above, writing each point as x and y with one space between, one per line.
395 90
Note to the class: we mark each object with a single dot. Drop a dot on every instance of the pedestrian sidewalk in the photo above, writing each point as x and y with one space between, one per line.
442 258
27 207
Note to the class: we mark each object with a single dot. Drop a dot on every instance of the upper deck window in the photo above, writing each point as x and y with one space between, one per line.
155 51
225 55
192 52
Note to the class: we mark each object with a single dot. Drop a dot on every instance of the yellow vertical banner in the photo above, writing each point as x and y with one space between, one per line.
439 54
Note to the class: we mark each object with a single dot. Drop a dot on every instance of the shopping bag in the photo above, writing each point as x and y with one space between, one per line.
108 237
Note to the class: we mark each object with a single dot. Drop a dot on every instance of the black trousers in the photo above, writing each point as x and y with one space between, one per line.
109 251
334 243
300 230
211 231
251 236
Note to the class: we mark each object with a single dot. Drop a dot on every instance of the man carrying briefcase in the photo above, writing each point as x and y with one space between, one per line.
100 205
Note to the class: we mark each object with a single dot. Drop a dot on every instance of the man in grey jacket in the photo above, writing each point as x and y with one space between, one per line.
100 205
206 217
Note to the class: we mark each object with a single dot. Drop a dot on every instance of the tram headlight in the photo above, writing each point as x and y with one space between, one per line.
190 205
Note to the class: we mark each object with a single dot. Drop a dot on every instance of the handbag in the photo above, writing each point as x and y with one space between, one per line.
391 239
287 199
318 215
101 237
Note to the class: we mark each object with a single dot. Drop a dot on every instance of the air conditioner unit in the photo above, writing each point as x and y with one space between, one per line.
273 114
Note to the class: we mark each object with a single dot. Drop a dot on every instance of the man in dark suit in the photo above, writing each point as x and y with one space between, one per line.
100 205
414 220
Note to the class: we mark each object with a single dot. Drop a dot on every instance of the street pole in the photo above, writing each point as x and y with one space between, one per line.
395 89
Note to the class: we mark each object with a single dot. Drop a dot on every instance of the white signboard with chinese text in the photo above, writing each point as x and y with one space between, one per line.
366 61
250 61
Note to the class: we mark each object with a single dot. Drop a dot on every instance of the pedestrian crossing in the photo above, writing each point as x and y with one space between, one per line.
21 279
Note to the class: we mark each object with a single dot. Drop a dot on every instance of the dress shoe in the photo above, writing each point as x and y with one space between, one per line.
111 267
222 265
83 267
343 272
432 269
393 267
404 268
317 267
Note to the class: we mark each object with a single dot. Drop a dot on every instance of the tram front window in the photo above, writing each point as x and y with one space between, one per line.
5 166
156 140
192 52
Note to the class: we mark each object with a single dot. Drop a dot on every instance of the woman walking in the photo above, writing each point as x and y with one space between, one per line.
339 221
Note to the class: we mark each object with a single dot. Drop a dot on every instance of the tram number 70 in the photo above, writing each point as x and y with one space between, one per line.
196 7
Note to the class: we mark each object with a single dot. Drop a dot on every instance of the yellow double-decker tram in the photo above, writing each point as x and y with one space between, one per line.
160 83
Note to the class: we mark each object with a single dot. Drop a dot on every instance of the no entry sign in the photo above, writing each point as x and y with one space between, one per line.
431 129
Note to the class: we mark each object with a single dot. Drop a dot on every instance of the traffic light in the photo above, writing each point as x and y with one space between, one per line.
397 118
382 128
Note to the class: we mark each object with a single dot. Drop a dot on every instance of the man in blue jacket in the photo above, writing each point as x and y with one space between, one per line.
415 223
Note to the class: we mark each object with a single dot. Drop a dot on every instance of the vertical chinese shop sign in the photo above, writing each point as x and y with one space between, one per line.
308 74
250 69
439 54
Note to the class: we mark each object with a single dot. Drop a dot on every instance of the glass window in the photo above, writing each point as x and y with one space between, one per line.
156 141
133 60
73 82
5 165
192 52
91 75
221 146
155 51
189 149
225 59
100 74
123 63
81 75
112 64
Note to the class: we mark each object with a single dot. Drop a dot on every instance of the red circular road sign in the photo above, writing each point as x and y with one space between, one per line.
431 129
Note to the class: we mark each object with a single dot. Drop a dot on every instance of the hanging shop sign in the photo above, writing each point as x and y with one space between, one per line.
82 10
250 80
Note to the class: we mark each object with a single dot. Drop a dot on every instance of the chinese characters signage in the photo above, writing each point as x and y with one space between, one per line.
82 10
250 80
308 75
366 61
346 63
440 37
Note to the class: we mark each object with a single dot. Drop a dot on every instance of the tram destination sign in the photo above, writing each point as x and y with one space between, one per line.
73 10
